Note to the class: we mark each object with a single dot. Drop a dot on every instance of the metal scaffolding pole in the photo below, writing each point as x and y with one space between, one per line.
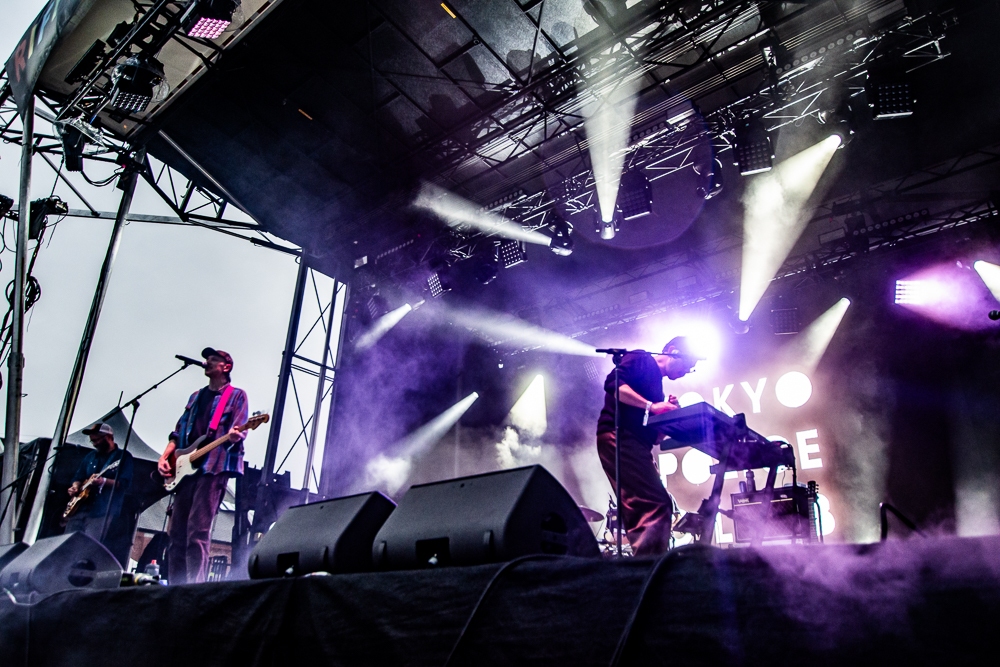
320 387
15 361
267 471
80 367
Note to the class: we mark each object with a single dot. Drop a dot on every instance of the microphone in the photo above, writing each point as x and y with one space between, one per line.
994 315
612 350
188 361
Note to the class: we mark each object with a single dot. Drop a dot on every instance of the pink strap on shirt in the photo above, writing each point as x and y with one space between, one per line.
220 408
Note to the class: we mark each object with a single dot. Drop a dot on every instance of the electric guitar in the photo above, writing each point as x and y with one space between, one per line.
182 461
73 505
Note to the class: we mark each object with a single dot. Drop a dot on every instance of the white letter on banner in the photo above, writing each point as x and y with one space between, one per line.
720 399
806 448
754 395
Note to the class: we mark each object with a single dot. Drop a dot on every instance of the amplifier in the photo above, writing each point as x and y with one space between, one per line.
788 519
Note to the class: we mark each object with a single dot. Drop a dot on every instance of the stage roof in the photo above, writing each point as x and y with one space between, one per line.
321 118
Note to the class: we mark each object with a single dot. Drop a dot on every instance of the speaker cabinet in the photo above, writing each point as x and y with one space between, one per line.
484 518
9 552
332 536
60 563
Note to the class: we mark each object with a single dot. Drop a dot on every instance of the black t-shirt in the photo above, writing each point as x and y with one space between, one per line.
202 414
639 371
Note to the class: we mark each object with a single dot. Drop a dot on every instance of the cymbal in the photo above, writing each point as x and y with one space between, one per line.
591 515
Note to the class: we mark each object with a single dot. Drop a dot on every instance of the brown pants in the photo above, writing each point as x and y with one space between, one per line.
645 505
190 530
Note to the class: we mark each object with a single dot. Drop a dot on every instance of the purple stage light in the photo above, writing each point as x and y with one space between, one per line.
950 294
208 28
207 19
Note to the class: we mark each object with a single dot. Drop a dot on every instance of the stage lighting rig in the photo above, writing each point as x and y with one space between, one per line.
889 95
40 210
635 196
753 151
562 242
840 121
512 253
712 175
135 83
785 321
208 18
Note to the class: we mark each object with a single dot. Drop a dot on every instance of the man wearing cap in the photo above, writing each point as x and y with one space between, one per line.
645 505
211 411
107 493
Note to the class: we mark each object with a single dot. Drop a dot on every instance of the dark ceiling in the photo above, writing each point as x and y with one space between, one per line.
327 115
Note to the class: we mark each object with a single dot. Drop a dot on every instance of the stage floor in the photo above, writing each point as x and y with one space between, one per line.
922 601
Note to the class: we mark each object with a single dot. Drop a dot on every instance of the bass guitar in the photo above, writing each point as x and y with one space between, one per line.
182 461
74 503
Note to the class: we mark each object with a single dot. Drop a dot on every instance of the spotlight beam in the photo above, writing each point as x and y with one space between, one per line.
528 414
502 329
392 471
990 273
608 127
458 212
810 345
774 219
381 327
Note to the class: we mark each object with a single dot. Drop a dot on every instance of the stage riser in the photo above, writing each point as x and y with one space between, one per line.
917 602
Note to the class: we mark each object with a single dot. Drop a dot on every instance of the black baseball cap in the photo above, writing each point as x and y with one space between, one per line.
100 427
211 351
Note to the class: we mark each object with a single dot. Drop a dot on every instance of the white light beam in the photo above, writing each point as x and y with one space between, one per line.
774 220
381 327
456 212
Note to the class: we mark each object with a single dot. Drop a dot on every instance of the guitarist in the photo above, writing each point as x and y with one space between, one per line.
89 517
211 411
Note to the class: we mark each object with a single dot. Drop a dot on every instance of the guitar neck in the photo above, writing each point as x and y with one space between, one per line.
202 451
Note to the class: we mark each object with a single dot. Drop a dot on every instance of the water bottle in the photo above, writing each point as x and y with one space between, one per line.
153 569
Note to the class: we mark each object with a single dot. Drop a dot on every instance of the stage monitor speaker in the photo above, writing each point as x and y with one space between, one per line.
60 563
330 536
486 518
9 552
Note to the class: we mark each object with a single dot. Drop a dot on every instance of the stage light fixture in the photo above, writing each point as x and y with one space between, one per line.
635 196
512 253
785 321
919 292
486 267
435 285
6 203
39 211
135 81
753 150
889 95
562 242
713 179
73 142
840 122
208 18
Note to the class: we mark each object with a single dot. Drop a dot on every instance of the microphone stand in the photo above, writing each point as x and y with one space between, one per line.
128 436
617 354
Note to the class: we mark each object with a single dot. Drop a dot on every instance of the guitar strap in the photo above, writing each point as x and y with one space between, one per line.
220 408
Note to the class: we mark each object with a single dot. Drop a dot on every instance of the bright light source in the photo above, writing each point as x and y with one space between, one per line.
774 218
208 18
528 414
381 327
457 212
920 292
990 273
793 389
134 82
608 126
810 345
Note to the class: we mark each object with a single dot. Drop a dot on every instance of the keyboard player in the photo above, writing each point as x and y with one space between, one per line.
645 504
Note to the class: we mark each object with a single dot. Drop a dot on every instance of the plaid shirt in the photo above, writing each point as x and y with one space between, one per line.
225 459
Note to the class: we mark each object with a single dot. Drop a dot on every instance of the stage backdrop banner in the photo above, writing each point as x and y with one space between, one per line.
59 18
